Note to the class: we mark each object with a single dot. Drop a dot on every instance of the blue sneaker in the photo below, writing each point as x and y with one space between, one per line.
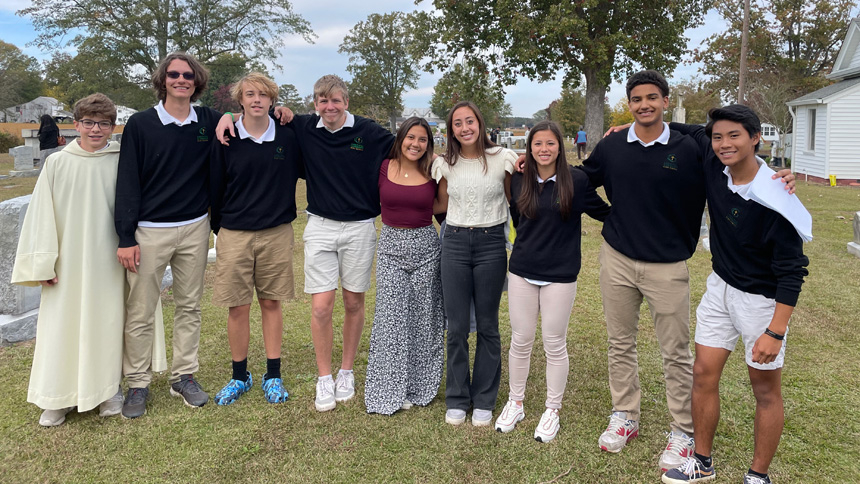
233 390
690 471
274 390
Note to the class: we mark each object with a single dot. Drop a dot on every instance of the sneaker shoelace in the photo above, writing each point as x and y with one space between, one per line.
343 383
678 442
615 423
326 387
189 385
690 467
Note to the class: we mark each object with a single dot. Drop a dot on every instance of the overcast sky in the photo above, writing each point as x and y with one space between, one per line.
304 63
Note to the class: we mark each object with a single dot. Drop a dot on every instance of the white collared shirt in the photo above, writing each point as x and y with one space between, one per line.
541 180
166 118
742 190
349 123
269 135
663 139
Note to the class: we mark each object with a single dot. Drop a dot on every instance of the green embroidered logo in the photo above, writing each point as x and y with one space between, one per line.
733 216
357 144
202 136
671 163
279 153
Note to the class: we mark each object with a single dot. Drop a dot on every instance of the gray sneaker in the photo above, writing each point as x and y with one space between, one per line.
190 391
135 402
754 479
112 406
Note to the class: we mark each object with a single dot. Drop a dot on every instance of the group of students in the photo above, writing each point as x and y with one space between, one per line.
170 182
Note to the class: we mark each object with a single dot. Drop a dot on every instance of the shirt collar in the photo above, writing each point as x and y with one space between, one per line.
662 139
269 135
541 180
166 118
349 123
741 190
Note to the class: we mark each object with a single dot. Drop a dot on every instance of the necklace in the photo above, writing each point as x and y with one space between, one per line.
405 175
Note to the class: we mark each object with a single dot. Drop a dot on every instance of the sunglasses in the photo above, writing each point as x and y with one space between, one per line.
189 76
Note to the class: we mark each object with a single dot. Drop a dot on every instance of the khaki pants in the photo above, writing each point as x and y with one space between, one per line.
185 248
623 284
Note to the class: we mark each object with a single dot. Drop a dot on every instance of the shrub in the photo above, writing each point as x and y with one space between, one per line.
9 141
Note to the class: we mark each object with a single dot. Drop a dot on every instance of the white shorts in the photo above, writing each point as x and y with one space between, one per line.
338 249
726 313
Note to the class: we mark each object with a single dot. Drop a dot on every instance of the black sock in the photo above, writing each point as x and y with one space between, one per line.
763 476
240 370
706 461
273 368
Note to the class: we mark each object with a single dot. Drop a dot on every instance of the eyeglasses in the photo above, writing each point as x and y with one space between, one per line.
89 123
189 76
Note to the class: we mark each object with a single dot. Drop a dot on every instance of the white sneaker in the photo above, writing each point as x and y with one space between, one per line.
344 387
406 405
52 418
548 427
455 416
481 417
112 406
618 433
678 450
325 395
510 416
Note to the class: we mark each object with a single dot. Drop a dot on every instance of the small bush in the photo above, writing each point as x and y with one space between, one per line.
9 141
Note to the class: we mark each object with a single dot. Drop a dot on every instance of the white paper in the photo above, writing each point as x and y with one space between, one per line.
773 195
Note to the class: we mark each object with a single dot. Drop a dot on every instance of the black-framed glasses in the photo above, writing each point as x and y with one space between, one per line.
189 76
89 123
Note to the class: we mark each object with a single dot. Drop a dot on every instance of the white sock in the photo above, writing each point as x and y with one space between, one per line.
325 378
344 372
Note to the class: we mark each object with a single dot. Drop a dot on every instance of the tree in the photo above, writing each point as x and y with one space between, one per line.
224 71
794 40
470 83
70 78
20 80
289 96
595 39
699 98
380 62
540 115
141 32
569 112
620 114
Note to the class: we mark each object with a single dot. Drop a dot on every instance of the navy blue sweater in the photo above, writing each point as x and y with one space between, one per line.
343 167
547 247
163 173
253 186
657 195
753 248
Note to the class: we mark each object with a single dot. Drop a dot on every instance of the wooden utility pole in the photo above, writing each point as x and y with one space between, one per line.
745 40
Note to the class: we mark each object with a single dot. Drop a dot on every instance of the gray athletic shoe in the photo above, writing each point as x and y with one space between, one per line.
135 402
754 479
112 406
190 391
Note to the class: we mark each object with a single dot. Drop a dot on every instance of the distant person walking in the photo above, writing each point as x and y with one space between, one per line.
581 140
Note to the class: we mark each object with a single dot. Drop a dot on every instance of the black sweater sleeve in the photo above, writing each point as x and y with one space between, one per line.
697 132
127 203
788 262
217 185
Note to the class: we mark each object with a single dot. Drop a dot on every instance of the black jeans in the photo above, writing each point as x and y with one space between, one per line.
474 264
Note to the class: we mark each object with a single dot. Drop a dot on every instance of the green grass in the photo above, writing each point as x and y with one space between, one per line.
252 441
13 187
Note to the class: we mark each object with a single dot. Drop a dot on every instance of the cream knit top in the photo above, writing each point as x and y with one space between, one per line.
475 198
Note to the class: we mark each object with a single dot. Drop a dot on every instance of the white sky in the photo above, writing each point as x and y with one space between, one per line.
304 63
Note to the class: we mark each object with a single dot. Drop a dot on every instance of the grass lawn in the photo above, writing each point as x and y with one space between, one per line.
252 441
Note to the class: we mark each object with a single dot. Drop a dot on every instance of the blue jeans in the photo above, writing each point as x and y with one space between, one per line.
474 264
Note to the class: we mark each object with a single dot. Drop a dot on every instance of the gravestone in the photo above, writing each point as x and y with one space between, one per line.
23 161
854 247
19 305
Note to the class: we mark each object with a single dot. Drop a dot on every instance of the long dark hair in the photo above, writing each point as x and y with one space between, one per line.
452 151
527 202
47 123
424 163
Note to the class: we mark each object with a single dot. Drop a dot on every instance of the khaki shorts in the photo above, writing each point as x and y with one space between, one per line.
338 249
253 259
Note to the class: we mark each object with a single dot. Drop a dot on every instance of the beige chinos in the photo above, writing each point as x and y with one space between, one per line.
185 248
623 284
